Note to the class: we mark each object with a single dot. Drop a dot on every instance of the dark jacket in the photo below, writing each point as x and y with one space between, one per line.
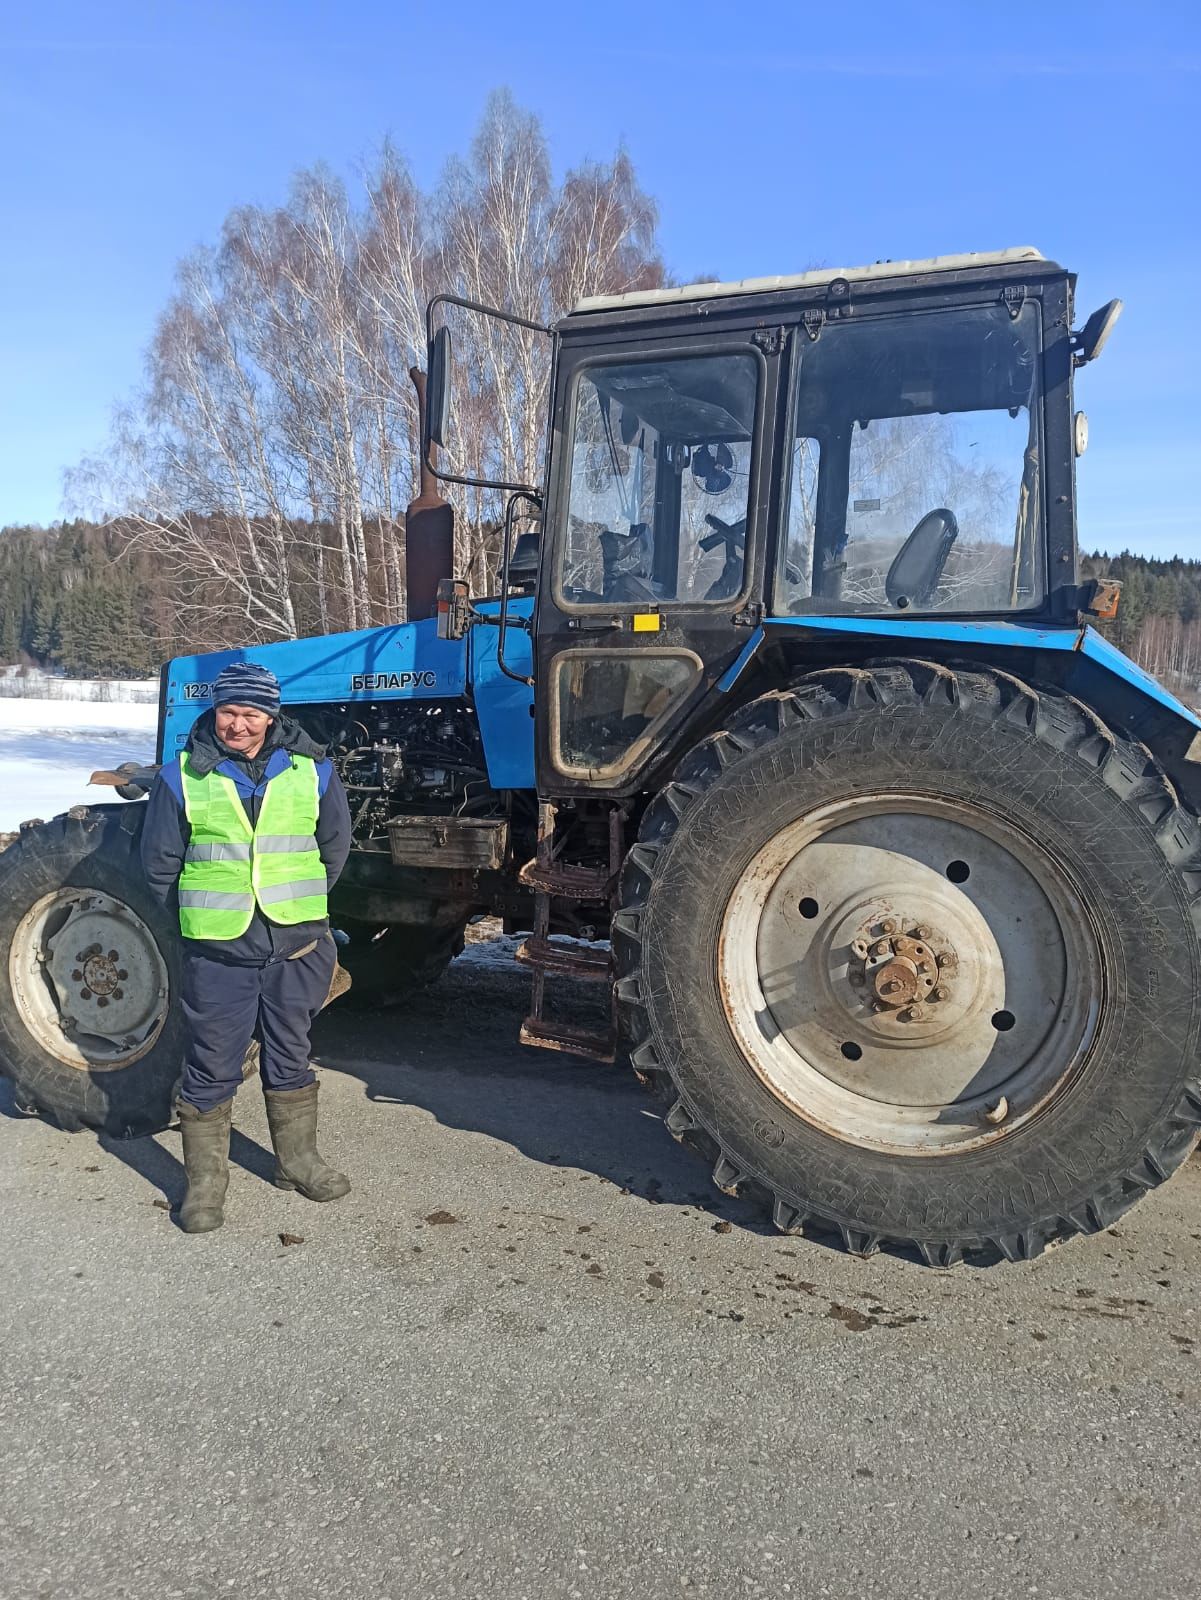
165 831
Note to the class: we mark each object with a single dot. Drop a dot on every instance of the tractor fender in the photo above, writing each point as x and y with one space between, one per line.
1075 659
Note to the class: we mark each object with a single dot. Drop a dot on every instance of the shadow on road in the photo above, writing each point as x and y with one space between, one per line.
453 1051
164 1171
149 1158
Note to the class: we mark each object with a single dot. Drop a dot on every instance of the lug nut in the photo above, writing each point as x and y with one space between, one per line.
118 994
945 958
113 956
85 994
921 933
123 974
941 993
914 1014
888 925
103 1000
77 976
883 948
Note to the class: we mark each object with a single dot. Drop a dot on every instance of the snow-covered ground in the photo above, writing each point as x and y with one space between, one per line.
49 748
32 683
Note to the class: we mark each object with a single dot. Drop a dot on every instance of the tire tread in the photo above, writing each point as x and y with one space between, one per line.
832 693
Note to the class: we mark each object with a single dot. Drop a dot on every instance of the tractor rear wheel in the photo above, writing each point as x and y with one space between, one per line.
913 953
88 963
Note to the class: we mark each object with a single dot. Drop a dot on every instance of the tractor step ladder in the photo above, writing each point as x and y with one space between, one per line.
551 878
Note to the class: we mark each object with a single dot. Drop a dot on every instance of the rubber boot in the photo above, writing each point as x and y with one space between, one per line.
206 1162
292 1118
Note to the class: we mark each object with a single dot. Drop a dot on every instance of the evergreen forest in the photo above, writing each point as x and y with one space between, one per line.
89 600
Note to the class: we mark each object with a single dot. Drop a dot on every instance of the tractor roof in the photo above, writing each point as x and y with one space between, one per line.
807 280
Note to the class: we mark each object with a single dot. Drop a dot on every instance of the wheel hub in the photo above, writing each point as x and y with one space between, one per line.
89 979
901 971
100 974
908 973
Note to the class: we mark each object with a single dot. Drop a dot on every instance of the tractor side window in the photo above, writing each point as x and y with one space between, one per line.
901 467
660 482
916 477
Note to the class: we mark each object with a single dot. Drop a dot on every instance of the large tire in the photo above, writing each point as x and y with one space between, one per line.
1075 830
79 876
388 965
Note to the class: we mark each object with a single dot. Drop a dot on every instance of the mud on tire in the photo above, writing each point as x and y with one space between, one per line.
1094 806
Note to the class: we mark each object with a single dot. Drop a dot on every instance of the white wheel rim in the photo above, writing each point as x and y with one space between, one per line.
909 975
89 981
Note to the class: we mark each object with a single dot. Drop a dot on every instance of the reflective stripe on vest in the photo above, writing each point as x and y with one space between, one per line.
229 865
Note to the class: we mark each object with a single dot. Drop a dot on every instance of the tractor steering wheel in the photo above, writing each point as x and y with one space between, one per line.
733 534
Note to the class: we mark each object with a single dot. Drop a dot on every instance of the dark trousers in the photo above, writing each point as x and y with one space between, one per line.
228 1006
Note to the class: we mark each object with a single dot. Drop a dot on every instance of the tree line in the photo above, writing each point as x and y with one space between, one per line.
83 600
1159 617
91 600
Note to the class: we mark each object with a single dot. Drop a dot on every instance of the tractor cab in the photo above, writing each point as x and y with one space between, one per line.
732 463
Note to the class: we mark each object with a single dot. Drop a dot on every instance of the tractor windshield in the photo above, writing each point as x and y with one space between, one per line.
914 478
660 481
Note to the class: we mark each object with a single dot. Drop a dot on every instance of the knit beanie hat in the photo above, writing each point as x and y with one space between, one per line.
244 683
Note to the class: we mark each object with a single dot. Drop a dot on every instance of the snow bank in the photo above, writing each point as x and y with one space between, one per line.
81 715
29 683
49 748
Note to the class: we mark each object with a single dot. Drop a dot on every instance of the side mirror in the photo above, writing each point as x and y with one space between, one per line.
916 570
1090 341
437 412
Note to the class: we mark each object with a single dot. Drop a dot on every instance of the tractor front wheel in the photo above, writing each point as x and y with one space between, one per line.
913 954
89 962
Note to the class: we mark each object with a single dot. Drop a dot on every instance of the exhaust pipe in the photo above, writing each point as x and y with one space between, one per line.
429 529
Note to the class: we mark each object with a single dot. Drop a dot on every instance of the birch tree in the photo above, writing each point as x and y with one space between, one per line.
269 457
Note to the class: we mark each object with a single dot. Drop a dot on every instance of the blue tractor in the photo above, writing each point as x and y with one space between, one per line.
789 728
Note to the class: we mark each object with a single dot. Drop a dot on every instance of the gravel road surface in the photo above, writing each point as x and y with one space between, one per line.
534 1354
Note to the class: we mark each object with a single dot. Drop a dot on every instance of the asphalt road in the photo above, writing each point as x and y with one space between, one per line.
526 1357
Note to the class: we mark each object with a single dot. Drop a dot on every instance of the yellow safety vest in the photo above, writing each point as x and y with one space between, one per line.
230 866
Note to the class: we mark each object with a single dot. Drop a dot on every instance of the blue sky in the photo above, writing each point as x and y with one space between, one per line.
773 135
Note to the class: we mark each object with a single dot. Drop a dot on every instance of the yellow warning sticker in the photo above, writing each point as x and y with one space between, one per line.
647 622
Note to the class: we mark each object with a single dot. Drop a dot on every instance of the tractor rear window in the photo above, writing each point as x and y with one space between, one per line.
916 478
660 481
